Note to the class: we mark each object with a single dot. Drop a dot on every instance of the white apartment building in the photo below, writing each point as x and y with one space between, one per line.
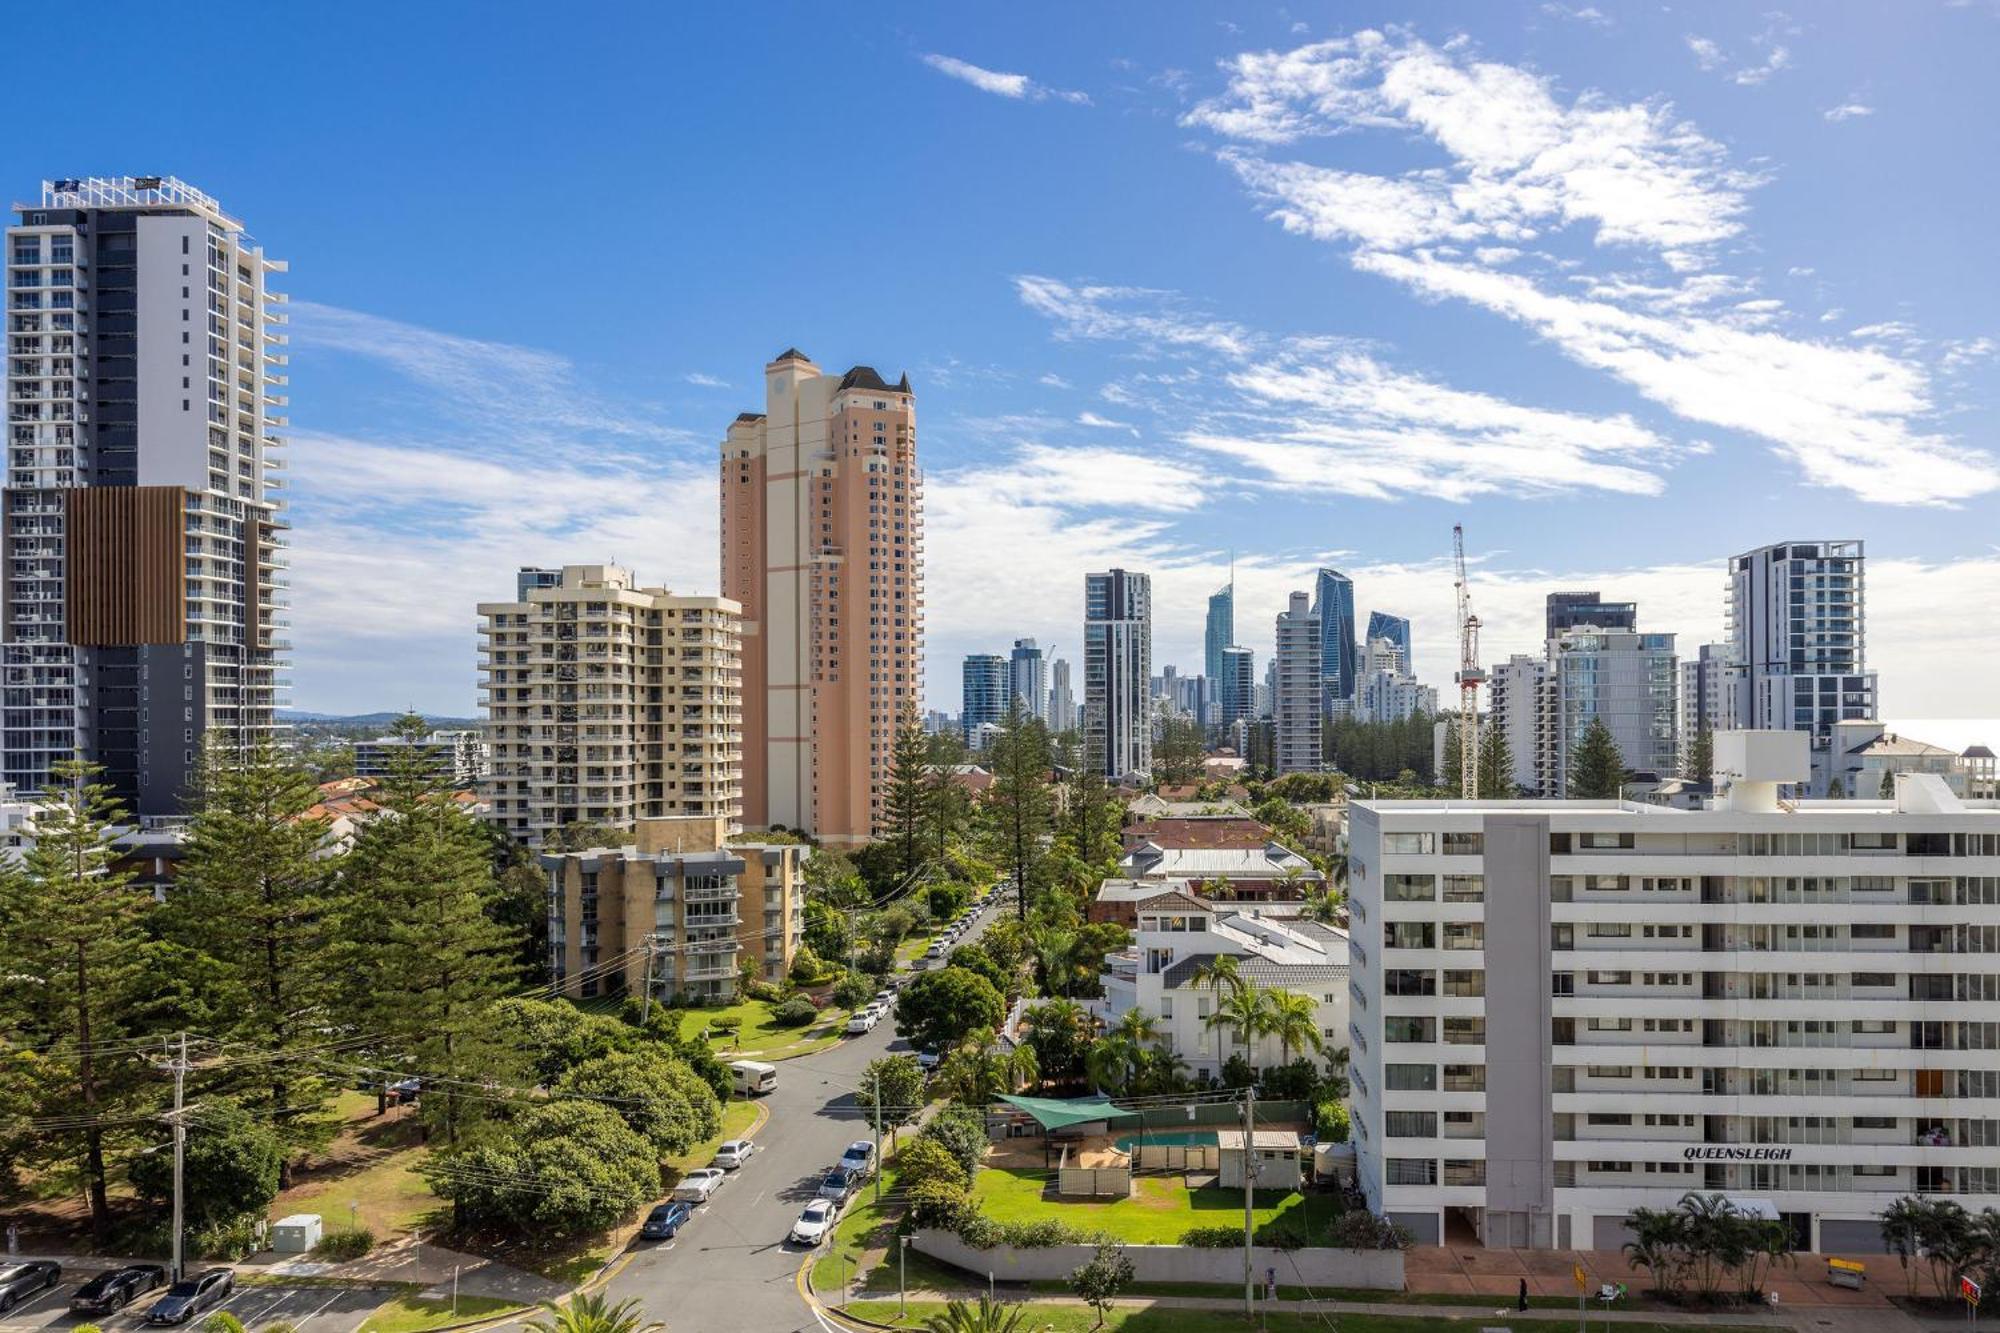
1518 705
143 489
1705 697
1295 706
1797 1003
1179 935
1797 629
609 703
458 757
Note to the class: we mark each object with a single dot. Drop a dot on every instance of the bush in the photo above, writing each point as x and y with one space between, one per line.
940 1204
770 992
925 1160
1332 1122
1045 1233
961 1131
853 990
231 1240
1359 1229
1213 1238
344 1244
221 1322
725 1023
86 1328
795 1012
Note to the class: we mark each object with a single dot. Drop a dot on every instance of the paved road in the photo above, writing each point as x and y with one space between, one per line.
731 1268
311 1309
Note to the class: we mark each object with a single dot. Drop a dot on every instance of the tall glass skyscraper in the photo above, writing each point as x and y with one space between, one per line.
1117 672
1221 629
1396 629
1028 678
985 693
1236 687
1333 605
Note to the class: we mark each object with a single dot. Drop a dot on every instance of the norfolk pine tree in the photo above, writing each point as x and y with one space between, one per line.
908 792
75 930
1019 802
1699 762
1596 768
257 893
426 961
1496 763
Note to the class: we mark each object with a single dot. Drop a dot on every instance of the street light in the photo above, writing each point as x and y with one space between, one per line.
902 1286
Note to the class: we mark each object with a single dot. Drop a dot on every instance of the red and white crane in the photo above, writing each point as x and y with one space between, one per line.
1470 674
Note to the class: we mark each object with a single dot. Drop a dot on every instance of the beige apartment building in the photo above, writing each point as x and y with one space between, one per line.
609 703
822 545
698 902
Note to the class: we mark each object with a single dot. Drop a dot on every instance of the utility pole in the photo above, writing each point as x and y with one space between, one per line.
176 1064
646 1002
878 1137
1249 1199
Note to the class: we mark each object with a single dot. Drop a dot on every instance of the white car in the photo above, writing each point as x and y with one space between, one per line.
734 1153
862 1021
814 1222
697 1186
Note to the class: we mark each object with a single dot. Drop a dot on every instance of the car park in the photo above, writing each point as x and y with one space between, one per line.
734 1153
836 1186
814 1222
18 1282
665 1221
697 1186
116 1288
191 1296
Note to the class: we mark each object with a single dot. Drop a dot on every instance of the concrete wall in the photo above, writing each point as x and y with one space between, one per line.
1520 1158
1380 1270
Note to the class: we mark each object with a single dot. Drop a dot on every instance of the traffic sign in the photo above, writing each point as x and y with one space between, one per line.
1576 1276
1969 1290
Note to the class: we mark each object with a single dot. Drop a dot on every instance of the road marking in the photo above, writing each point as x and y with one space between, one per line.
330 1300
273 1305
45 1291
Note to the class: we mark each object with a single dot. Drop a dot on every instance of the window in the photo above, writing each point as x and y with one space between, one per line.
1409 888
1409 1125
1464 888
1465 1078
1411 1171
1608 1071
1408 1028
1608 1118
1609 930
1410 1078
1407 844
1464 935
1464 844
1599 842
1465 1031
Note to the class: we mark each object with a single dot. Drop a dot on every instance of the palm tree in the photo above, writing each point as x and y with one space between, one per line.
1219 972
1060 1031
593 1313
1294 1020
1136 1025
1241 1013
989 1316
1055 957
1902 1225
1110 1064
981 1070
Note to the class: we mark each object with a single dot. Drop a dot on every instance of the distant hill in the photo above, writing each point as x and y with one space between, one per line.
436 720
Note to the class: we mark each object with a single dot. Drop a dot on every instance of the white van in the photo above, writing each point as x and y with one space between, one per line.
753 1077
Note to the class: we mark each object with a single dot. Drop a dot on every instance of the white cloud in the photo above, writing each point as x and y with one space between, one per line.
1055 381
1016 86
1710 56
705 381
1706 53
1847 111
1327 414
1521 157
1523 162
1104 423
1589 14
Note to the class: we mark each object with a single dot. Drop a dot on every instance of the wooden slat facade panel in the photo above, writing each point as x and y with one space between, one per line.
127 565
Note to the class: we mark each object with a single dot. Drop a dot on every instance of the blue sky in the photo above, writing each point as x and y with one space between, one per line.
1624 289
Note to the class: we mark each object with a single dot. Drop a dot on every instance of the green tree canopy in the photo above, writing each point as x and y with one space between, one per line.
231 1166
558 1169
1596 768
655 1093
940 1008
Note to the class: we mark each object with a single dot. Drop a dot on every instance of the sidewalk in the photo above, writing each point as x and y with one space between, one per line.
421 1264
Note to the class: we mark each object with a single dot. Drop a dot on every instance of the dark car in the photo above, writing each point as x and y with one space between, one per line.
20 1281
192 1295
116 1289
665 1221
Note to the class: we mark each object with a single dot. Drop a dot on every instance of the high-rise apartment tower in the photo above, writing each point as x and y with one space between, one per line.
1296 705
822 543
1333 604
142 516
1117 672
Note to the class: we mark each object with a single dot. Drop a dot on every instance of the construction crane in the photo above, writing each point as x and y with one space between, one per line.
1470 675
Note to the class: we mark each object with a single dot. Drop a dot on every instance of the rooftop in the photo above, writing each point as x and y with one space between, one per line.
136 192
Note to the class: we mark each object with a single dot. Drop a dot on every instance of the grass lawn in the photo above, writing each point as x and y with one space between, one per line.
371 1165
1079 1319
759 1038
1159 1212
1227 1291
736 1120
412 1314
864 1224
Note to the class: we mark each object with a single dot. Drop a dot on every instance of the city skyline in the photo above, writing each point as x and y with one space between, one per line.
1086 382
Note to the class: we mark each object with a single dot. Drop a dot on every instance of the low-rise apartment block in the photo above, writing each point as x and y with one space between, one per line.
608 703
1564 1010
685 904
457 757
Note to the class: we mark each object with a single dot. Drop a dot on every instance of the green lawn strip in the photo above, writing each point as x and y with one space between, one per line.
759 1037
737 1117
388 1197
1079 1319
412 1314
866 1223
1227 1290
1160 1211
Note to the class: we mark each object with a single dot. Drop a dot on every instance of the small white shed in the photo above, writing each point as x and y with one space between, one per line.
1276 1153
296 1234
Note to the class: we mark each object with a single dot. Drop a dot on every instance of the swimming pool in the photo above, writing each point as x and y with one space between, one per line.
1179 1138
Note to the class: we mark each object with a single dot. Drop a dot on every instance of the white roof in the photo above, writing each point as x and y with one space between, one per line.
1232 1139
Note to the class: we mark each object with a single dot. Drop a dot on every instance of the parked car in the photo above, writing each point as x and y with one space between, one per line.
406 1090
665 1221
927 1059
860 1021
191 1296
697 1186
814 1222
117 1288
859 1159
734 1153
753 1078
836 1186
20 1281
